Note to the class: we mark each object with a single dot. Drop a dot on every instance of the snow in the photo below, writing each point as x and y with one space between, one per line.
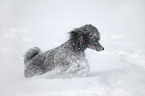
119 70
126 78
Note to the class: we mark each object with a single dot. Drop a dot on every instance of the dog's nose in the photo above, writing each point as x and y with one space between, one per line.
103 48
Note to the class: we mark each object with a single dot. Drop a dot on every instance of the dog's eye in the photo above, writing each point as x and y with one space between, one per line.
97 39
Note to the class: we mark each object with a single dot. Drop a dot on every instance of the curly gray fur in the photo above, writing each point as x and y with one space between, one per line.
68 59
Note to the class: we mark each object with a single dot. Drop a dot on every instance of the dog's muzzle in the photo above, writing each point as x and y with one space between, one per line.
100 49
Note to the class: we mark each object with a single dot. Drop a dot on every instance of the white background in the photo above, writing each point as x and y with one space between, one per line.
117 71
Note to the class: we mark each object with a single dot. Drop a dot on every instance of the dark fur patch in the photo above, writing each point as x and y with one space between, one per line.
78 40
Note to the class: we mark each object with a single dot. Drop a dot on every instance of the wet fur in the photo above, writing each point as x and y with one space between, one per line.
68 59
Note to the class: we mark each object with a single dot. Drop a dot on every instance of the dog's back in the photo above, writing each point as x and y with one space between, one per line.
38 63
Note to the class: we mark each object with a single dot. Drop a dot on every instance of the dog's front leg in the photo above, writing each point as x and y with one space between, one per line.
78 69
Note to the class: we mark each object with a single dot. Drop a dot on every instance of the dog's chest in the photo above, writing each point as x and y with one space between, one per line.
77 66
78 63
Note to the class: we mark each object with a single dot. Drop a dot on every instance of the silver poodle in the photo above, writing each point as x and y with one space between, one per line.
67 60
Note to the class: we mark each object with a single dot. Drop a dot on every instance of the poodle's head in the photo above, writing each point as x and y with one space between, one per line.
84 37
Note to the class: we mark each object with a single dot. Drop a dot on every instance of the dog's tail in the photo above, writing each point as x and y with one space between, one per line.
31 53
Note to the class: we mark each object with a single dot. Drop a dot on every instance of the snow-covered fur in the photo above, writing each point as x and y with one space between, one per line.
67 60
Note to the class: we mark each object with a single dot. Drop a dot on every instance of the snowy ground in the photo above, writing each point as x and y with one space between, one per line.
112 74
117 71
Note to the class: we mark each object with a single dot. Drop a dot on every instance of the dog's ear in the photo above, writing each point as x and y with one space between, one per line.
78 39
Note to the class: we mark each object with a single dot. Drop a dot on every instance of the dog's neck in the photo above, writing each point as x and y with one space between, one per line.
75 47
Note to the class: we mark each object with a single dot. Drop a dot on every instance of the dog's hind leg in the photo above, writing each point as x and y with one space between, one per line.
31 71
